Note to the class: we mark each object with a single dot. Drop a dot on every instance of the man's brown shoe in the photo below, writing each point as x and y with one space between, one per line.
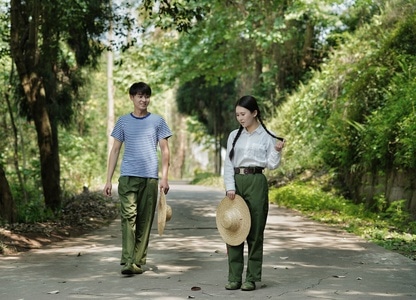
248 286
233 285
130 269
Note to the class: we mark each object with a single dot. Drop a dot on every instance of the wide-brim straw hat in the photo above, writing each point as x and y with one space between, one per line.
164 213
233 220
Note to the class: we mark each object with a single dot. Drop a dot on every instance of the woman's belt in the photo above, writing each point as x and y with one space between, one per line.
248 170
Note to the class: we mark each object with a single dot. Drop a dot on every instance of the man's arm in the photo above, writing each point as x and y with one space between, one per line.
112 163
164 148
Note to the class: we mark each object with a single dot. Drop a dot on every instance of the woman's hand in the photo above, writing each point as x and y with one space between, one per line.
279 145
230 194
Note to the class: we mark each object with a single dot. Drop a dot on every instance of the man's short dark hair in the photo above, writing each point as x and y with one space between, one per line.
140 88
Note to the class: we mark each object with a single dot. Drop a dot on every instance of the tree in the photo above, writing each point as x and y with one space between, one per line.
110 88
213 107
268 47
7 204
50 42
7 207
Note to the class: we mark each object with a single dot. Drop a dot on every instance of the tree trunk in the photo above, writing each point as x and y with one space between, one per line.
178 146
307 55
47 134
25 53
49 155
7 207
110 91
20 177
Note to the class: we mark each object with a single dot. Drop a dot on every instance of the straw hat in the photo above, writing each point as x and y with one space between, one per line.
233 220
164 213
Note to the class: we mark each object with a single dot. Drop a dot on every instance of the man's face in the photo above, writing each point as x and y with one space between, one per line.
140 101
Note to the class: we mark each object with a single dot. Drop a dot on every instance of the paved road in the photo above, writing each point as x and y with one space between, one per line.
303 260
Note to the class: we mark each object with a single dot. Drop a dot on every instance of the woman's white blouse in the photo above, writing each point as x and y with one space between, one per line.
254 149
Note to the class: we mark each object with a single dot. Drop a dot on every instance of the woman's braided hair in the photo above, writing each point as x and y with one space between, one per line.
250 103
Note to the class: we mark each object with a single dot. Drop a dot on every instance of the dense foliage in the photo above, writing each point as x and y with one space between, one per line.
266 47
48 48
358 110
377 107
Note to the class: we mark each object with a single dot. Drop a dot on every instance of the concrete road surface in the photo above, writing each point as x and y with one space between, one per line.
302 260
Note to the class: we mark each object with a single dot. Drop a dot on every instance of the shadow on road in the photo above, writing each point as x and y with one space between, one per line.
302 259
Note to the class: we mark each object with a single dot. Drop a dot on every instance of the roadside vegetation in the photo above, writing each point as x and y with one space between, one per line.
354 120
80 214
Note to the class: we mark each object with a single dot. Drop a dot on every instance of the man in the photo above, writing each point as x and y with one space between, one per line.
141 132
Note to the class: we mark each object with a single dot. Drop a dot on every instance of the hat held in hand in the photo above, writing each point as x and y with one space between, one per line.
164 213
233 220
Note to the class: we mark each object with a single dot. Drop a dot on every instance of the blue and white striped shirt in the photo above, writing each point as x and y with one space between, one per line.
140 137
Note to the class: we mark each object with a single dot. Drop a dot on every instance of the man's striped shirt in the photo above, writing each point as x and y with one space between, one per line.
140 137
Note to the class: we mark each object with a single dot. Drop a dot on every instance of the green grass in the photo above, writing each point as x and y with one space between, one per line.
391 228
208 179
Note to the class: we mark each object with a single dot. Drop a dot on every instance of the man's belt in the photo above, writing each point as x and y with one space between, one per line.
248 170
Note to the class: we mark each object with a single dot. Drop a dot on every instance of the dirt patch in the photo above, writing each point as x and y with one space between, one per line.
81 214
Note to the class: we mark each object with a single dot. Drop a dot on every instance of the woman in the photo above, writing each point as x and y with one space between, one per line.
250 149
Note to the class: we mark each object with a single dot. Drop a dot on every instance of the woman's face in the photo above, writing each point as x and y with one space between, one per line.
246 118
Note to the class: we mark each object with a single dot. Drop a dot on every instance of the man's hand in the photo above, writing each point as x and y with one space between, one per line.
107 189
164 186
